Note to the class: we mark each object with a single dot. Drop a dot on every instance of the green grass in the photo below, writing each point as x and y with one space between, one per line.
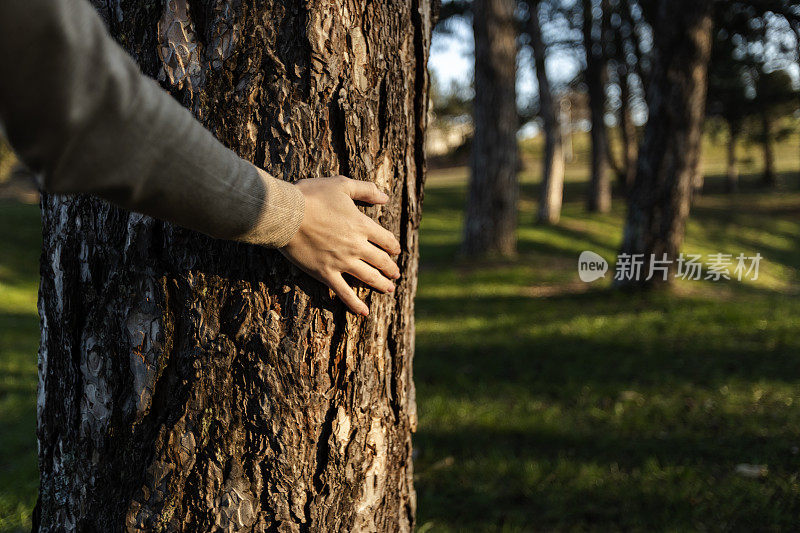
19 341
545 403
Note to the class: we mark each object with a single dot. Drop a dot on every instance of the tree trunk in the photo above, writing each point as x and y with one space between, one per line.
659 202
491 213
795 25
698 177
599 199
552 186
732 171
768 178
188 384
628 129
641 60
566 129
614 166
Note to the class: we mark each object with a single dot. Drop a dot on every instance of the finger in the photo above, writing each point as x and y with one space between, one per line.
371 276
380 260
382 237
346 294
365 191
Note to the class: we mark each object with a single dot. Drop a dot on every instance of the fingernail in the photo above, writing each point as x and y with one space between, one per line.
396 276
384 196
365 311
391 288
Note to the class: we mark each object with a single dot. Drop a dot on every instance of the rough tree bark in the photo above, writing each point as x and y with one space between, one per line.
491 211
599 198
659 202
188 384
552 186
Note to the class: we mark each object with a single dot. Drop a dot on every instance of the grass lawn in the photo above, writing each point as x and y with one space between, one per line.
19 341
545 403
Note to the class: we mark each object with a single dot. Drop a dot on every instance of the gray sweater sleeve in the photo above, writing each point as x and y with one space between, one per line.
77 110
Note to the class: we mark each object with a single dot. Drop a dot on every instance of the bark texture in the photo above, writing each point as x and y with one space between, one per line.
551 191
599 198
491 212
188 384
659 202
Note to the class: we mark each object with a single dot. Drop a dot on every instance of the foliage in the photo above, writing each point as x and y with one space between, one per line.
451 102
775 97
727 82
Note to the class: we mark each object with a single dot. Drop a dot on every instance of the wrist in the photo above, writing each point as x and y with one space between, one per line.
281 211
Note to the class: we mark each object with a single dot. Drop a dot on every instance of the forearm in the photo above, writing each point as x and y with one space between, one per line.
77 110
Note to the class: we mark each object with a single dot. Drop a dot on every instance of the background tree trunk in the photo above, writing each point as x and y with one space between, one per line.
565 117
768 177
599 199
552 186
630 145
641 63
659 202
491 213
732 170
188 384
698 177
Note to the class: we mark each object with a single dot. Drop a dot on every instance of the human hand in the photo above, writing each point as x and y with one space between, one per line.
335 237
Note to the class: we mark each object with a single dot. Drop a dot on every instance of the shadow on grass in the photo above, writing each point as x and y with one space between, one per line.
750 182
602 339
543 480
574 241
442 246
